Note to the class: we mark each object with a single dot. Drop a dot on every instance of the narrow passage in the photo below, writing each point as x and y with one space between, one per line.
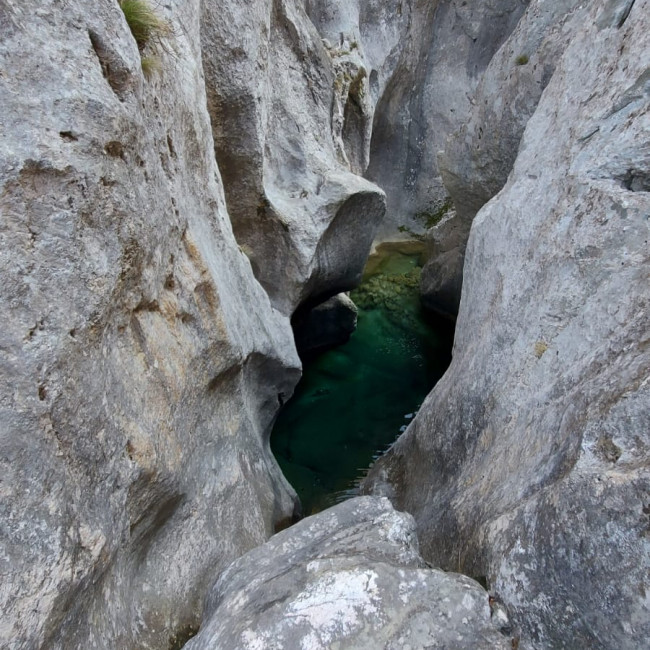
354 400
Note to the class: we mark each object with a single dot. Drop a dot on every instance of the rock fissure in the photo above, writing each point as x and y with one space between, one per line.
171 230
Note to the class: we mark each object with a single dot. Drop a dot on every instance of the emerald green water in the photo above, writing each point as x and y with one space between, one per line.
353 401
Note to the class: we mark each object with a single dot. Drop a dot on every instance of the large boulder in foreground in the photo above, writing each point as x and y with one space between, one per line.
349 577
529 463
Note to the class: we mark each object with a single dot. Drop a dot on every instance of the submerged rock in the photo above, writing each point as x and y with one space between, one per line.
328 324
529 461
350 577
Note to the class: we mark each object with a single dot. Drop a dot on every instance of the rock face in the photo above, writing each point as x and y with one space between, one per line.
447 48
441 280
476 158
142 364
350 577
291 119
529 461
158 234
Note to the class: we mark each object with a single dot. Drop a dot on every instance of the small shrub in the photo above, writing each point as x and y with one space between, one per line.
145 24
149 31
411 233
430 218
540 348
522 59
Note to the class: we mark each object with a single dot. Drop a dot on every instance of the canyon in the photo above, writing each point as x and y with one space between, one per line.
164 226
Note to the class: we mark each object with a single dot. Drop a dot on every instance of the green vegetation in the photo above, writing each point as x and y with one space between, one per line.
522 59
431 218
149 31
149 64
411 233
540 348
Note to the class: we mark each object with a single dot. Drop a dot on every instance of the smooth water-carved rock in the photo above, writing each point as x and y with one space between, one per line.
528 463
441 280
443 56
291 120
350 577
477 157
141 363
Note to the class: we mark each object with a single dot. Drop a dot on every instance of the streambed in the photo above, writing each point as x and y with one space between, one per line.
353 401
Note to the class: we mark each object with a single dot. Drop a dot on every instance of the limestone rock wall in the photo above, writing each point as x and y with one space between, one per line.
142 364
528 463
475 159
447 48
291 119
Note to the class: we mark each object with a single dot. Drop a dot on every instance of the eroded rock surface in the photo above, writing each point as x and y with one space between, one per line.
475 159
291 119
529 461
141 362
444 53
441 280
350 577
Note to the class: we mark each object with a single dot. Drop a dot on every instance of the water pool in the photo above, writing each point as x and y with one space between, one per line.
353 401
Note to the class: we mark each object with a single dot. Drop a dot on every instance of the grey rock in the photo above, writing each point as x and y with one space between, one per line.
528 463
137 384
349 577
328 324
477 157
442 276
444 54
291 122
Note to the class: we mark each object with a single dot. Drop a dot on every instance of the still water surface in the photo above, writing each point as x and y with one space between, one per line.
353 401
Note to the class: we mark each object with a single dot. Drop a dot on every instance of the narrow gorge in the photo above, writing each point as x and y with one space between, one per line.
190 191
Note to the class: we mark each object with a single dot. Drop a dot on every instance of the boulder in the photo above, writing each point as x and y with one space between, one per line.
528 463
349 577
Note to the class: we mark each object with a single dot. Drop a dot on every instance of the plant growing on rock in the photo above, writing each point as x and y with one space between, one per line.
148 29
433 217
